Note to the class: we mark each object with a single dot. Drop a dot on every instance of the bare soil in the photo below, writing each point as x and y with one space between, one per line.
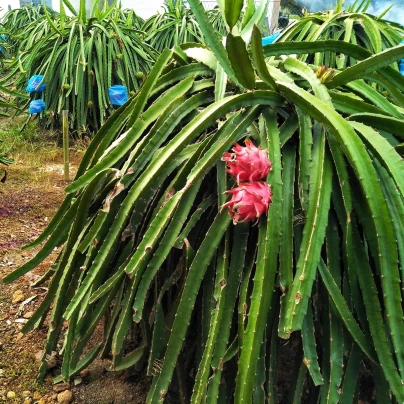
28 200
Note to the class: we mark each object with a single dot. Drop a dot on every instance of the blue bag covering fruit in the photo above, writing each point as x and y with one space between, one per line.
2 39
118 95
401 62
33 83
270 39
36 106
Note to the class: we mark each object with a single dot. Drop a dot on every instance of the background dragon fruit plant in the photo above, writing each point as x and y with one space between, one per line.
80 57
213 311
351 24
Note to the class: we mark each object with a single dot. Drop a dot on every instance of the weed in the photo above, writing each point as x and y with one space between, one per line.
30 145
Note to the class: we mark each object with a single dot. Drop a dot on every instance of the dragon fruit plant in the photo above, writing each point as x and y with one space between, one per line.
351 23
80 57
210 309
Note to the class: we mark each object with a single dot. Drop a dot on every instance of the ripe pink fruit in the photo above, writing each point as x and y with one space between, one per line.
248 163
249 201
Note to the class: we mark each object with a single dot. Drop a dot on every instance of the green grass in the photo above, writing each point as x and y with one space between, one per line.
34 148
14 141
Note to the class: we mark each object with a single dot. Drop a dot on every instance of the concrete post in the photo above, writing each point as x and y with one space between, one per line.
273 14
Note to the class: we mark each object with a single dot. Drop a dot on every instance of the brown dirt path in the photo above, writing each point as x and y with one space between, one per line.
28 200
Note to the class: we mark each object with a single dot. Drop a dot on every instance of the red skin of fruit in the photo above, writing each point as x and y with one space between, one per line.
248 163
249 201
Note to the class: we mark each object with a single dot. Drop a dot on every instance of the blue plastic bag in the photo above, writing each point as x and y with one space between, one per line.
36 106
401 62
270 39
118 95
33 84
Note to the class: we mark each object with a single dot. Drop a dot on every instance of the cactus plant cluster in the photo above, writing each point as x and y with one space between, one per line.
82 56
205 307
177 25
351 24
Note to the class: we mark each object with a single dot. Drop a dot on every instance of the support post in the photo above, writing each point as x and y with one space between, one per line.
65 128
273 14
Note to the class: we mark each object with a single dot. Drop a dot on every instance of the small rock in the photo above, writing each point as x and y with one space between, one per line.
58 388
65 397
28 401
37 396
77 381
10 395
39 355
28 314
51 362
26 393
18 296
21 321
41 401
13 312
84 373
26 301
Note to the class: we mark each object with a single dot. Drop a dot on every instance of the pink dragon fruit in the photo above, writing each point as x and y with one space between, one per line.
249 201
248 163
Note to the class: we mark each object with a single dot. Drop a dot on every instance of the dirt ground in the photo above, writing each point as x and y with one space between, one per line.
28 199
